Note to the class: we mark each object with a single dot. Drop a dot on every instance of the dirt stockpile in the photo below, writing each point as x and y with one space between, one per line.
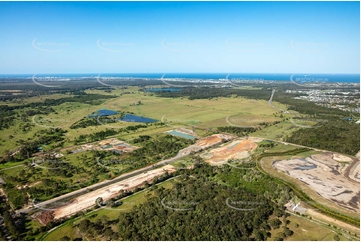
206 142
238 149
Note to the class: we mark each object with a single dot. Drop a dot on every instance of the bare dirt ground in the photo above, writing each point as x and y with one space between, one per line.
238 149
353 171
206 142
87 201
341 158
325 175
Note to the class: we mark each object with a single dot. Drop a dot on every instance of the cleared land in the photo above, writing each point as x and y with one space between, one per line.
88 200
238 149
206 142
324 174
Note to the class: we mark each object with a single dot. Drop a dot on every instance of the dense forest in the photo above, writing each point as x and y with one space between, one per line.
340 136
208 93
206 203
236 130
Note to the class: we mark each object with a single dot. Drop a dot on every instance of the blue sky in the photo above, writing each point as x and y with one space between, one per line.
165 37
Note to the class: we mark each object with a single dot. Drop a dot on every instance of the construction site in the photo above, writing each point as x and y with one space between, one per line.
206 142
238 149
333 176
87 200
113 145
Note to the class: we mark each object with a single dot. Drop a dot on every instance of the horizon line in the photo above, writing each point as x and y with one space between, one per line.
230 73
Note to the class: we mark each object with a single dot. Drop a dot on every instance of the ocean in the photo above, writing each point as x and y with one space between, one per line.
299 77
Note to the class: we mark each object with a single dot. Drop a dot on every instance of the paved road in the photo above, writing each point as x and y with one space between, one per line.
128 175
270 101
321 223
100 184
302 146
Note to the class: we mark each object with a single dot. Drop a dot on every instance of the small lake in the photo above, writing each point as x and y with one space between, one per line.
135 118
102 112
179 134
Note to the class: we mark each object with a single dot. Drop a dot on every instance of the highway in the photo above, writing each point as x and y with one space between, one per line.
101 184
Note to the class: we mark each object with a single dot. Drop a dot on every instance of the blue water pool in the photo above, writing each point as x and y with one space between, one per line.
135 118
179 134
102 112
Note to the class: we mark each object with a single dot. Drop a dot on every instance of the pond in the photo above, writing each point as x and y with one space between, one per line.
179 134
135 118
102 112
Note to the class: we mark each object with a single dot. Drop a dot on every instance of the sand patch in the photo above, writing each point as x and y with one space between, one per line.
87 201
341 158
322 173
238 149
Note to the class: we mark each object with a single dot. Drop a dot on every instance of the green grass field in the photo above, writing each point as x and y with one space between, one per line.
278 131
307 231
177 112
